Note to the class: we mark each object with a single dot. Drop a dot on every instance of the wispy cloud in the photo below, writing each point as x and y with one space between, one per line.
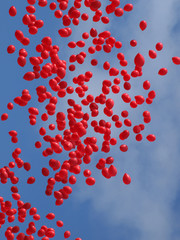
146 204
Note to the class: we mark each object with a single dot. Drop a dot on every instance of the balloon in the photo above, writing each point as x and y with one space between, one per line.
58 14
124 135
128 7
59 223
118 12
29 76
21 61
4 117
31 1
50 216
124 148
31 180
133 43
12 11
152 54
27 166
163 71
126 179
139 137
90 181
52 6
30 9
112 171
152 94
19 35
67 234
10 106
23 52
11 49
109 103
139 99
176 60
146 85
126 98
159 46
139 60
143 25
151 137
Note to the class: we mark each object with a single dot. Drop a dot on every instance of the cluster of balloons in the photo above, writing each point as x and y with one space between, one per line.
72 127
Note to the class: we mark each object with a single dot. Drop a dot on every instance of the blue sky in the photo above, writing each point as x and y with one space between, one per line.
149 207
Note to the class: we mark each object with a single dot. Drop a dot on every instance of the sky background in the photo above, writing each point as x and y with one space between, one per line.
148 208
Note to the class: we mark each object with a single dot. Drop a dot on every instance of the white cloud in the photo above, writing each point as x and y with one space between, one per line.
146 204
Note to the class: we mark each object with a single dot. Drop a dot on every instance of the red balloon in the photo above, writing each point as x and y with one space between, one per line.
87 173
90 181
133 43
25 41
151 137
23 52
58 14
36 217
12 11
143 25
95 5
146 85
126 98
4 117
139 99
13 133
124 113
19 35
42 3
152 54
38 144
124 148
59 223
16 196
139 137
118 12
139 60
176 60
31 180
136 129
105 20
109 103
112 171
159 46
126 179
128 7
163 71
30 9
52 6
118 44
10 106
32 211
15 229
21 61
50 216
31 1
152 94
27 166
124 135
11 49
29 76
67 234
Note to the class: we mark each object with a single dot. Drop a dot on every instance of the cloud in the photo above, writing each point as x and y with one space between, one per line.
146 204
